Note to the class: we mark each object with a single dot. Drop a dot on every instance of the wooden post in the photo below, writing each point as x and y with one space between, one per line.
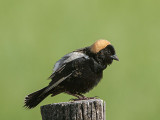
93 109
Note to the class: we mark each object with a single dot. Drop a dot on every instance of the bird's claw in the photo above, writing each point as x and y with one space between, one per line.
84 98
74 99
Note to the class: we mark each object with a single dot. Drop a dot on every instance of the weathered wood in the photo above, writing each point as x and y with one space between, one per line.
93 109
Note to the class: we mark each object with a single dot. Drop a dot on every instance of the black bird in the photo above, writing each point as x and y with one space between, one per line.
76 73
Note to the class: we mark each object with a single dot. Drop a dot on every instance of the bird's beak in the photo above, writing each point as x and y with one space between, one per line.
115 57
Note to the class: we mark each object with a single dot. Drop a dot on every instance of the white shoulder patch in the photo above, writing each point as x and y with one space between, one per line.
67 58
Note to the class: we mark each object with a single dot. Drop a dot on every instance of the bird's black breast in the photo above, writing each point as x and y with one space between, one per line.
86 75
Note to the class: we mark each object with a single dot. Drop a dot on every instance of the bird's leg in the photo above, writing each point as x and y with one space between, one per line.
87 98
75 95
80 96
83 97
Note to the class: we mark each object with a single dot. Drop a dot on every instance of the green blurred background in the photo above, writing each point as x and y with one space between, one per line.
34 34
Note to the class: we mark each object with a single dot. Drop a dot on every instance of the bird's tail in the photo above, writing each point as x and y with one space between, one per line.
33 99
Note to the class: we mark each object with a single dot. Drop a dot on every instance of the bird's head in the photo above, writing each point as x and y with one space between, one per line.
104 51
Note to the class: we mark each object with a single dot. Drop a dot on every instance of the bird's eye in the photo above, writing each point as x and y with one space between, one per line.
109 52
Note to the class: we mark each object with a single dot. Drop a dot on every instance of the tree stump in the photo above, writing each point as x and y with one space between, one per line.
93 109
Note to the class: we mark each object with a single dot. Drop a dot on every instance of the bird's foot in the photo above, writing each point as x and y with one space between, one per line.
87 98
84 98
81 97
75 99
96 97
78 99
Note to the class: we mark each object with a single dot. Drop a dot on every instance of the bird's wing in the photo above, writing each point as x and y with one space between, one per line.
65 71
67 58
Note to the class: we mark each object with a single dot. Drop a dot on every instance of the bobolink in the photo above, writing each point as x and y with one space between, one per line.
76 73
